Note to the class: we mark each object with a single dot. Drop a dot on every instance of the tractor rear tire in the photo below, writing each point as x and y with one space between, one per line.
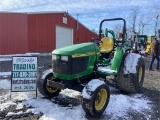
44 89
131 82
96 105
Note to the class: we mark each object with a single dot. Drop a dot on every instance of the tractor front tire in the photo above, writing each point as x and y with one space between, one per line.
96 105
131 82
44 89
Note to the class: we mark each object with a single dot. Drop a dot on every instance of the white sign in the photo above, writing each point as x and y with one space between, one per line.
64 20
24 74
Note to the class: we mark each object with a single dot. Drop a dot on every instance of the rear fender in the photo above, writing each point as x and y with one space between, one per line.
117 59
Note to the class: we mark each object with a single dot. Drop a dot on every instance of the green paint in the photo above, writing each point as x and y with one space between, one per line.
73 76
82 48
117 59
111 32
79 50
115 62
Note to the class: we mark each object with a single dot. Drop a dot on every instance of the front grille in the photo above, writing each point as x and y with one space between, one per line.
62 67
79 64
72 66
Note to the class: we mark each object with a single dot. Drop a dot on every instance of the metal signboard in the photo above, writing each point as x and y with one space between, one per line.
24 74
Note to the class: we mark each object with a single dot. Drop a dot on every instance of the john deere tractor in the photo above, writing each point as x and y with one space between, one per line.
85 67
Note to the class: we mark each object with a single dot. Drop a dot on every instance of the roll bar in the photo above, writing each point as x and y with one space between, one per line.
113 19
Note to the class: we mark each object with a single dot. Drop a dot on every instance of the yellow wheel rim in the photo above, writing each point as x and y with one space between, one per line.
140 74
51 90
101 99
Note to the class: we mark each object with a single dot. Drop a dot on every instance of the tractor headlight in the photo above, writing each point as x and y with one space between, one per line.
53 57
64 58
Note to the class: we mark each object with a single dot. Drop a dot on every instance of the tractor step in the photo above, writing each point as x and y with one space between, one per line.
106 71
54 84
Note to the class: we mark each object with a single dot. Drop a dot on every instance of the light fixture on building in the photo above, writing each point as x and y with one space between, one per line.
77 23
65 17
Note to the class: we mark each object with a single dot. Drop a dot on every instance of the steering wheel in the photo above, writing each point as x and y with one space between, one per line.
96 40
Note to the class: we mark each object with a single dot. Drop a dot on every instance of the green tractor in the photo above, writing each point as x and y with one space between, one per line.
85 67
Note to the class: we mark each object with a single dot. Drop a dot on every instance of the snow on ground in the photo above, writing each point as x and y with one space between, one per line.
54 111
118 105
5 74
9 57
6 105
5 59
5 84
143 51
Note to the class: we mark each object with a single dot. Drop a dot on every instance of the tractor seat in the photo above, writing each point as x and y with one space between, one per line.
107 45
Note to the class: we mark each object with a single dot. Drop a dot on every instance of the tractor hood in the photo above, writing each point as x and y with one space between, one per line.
76 50
75 61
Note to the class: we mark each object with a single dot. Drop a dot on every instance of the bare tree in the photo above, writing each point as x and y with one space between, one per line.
143 22
139 28
129 32
133 16
118 29
158 32
156 18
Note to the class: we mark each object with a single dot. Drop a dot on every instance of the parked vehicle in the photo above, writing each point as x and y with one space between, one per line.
85 67
150 40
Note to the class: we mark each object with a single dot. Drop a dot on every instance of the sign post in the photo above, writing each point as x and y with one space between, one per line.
24 74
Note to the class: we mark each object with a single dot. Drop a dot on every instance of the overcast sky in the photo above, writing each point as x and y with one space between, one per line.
91 12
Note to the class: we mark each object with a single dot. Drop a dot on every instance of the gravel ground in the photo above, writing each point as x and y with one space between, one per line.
151 89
